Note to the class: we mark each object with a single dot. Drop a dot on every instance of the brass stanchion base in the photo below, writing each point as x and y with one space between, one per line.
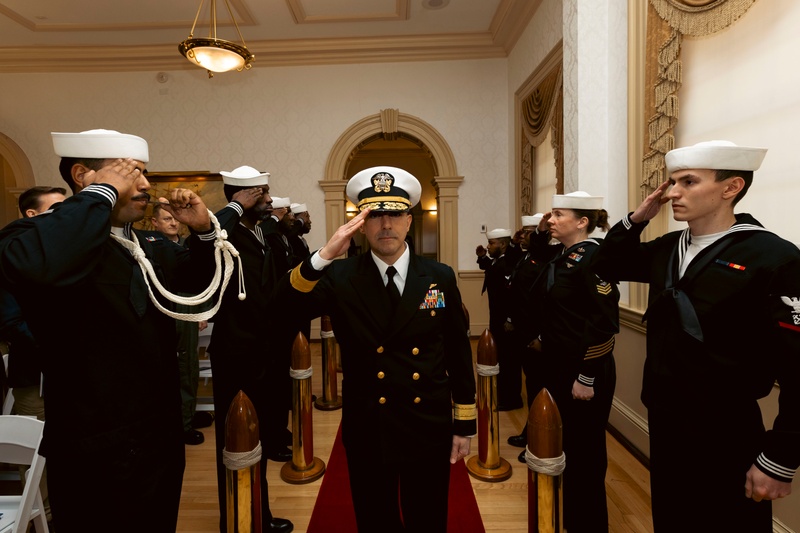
332 405
291 475
479 471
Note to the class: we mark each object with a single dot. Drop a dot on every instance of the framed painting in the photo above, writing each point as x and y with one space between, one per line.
205 184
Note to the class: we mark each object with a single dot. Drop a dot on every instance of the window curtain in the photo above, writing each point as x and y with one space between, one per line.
541 112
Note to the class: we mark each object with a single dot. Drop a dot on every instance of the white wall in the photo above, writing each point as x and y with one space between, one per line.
741 85
283 120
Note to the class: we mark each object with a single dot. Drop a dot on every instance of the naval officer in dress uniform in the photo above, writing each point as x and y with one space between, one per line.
409 386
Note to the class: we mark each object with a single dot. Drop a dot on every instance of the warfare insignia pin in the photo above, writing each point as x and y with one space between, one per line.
794 303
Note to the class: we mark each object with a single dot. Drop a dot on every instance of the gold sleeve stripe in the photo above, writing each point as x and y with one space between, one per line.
299 282
465 412
600 350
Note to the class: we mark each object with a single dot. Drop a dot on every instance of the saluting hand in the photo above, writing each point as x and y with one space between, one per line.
340 241
651 205
122 174
187 208
248 197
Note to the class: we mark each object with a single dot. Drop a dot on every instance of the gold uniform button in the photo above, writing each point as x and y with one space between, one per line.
415 351
415 376
380 349
382 400
417 399
381 375
433 313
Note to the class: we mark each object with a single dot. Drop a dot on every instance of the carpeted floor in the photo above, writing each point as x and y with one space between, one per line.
333 511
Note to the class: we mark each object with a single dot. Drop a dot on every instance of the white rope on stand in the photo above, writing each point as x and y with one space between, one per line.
301 374
488 370
241 460
222 249
552 466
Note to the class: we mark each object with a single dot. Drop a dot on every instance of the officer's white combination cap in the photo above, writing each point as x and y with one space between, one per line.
100 144
715 155
384 189
498 233
577 200
299 208
532 220
278 203
245 177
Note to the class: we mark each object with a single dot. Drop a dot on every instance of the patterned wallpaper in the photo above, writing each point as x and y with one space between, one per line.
282 120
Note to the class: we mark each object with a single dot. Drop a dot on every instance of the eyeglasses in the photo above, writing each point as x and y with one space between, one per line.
392 214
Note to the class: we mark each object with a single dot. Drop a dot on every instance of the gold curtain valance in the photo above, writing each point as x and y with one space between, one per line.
667 22
701 17
537 108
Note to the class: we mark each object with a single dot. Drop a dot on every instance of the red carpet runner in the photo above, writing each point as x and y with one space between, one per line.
333 511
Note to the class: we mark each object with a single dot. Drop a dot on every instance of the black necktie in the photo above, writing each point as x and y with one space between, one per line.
391 287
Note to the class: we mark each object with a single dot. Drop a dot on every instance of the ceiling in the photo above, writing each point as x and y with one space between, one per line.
126 35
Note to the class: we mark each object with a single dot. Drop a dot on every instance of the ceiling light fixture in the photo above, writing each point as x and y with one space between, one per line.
216 55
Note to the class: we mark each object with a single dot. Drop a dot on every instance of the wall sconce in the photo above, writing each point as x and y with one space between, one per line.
216 55
350 210
433 212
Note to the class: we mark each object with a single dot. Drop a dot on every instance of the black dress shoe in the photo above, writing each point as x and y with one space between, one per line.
280 456
202 419
193 437
280 524
518 441
521 457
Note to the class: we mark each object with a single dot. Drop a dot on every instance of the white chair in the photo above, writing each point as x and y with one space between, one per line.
19 444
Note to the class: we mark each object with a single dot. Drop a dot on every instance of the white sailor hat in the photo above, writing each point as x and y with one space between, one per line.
278 203
100 144
715 155
384 189
245 177
577 200
299 208
532 220
498 233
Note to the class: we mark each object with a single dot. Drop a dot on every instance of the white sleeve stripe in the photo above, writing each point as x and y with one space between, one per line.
775 468
100 190
238 208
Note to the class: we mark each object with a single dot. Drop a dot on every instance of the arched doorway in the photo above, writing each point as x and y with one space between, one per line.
393 138
16 175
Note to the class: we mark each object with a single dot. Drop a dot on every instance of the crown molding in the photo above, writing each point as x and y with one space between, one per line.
295 52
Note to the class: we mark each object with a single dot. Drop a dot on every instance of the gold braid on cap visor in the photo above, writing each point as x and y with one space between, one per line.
394 203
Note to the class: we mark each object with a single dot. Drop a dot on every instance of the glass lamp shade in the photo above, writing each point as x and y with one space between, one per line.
216 55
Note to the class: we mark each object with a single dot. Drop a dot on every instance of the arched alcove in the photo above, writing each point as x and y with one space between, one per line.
389 124
16 175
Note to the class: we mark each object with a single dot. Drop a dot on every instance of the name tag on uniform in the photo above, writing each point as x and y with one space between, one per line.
434 299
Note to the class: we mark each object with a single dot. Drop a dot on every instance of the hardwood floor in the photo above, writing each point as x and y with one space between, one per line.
503 505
